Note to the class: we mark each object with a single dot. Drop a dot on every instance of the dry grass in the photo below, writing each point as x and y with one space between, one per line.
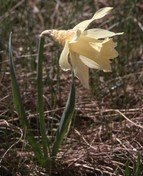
106 134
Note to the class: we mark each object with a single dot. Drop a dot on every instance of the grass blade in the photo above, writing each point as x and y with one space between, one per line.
40 99
20 109
65 119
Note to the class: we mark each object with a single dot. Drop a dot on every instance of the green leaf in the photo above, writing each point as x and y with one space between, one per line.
127 169
137 165
45 143
20 108
65 120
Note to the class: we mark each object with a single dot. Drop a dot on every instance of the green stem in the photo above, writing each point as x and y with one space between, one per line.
45 143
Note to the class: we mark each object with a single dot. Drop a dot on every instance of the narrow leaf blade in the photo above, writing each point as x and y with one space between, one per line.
45 143
20 108
65 120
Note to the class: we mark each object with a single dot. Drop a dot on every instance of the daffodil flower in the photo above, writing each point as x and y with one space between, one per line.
84 49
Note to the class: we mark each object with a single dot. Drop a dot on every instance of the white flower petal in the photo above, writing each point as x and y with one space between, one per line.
63 61
107 53
102 12
99 33
75 36
82 47
90 63
99 14
80 69
85 48
99 51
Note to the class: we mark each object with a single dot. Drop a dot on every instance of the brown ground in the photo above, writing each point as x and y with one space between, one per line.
106 135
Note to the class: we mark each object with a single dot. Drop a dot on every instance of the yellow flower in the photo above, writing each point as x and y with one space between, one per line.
84 49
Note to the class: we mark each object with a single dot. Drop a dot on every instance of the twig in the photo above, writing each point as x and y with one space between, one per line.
128 119
5 123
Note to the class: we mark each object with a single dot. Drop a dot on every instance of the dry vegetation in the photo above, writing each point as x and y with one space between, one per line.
106 136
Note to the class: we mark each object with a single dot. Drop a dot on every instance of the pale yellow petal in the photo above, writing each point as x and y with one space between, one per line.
64 58
107 53
80 69
99 51
83 47
102 12
99 14
75 37
100 33
90 63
